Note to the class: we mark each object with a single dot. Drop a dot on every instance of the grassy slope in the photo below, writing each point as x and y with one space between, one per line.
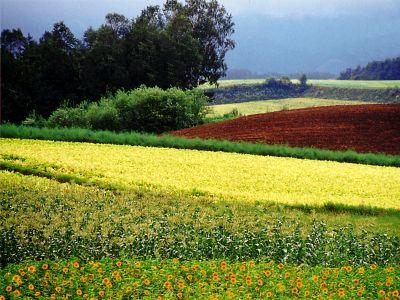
137 139
355 84
258 107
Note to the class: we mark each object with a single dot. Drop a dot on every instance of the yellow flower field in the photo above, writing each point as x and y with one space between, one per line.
259 107
226 175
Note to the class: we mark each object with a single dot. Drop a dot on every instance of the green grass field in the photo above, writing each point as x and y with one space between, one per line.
259 107
354 84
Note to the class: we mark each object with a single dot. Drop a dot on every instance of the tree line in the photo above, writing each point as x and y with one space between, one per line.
174 45
388 69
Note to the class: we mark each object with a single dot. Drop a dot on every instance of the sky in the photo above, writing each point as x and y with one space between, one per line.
271 35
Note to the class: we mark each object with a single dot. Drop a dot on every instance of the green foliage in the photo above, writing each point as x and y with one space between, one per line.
69 117
178 44
103 115
132 138
376 70
143 110
35 119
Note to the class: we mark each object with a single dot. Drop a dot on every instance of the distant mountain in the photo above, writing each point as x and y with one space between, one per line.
388 69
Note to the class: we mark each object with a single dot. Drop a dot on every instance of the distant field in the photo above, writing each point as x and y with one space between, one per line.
358 84
354 84
259 107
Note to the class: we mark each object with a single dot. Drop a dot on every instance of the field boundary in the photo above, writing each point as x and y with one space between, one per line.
168 141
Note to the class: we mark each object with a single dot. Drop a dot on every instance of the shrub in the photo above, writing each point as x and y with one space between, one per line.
143 109
104 115
156 110
35 119
70 116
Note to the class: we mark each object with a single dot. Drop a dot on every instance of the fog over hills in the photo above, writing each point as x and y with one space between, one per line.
271 36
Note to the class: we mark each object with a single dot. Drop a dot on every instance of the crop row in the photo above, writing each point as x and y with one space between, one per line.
225 176
173 279
41 218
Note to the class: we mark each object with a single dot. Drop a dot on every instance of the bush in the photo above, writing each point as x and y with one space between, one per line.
143 109
70 117
35 120
156 110
104 115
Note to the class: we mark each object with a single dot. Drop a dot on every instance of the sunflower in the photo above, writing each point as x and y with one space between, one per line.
76 264
45 266
32 269
31 287
79 292
267 273
215 276
118 263
167 285
58 289
341 292
101 293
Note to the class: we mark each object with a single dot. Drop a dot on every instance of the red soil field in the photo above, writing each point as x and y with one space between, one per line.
363 128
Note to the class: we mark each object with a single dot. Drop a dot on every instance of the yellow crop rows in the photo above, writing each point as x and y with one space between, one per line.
225 175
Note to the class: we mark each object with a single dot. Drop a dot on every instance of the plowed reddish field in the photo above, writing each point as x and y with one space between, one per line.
364 128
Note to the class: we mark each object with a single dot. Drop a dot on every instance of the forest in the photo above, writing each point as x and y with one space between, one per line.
388 69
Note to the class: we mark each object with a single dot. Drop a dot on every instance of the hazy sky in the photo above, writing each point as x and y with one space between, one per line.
271 35
22 12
